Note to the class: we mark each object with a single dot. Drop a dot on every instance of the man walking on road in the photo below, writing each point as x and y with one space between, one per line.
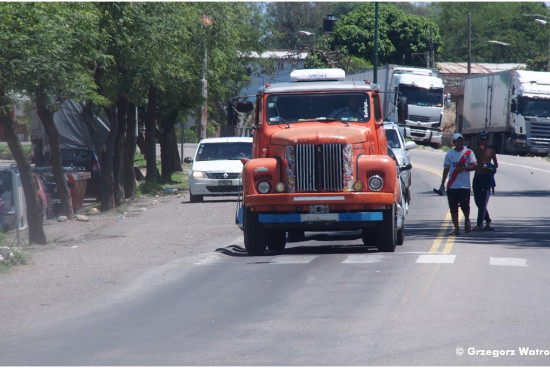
483 180
457 165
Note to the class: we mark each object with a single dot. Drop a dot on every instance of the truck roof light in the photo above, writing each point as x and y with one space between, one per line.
310 75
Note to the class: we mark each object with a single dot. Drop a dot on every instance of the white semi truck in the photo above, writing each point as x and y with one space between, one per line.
412 97
513 106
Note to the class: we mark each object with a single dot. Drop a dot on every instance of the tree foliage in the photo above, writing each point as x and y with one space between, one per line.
402 38
498 21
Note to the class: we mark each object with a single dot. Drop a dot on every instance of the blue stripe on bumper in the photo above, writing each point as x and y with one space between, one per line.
320 217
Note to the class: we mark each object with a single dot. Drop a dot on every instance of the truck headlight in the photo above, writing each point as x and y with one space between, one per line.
375 183
198 175
264 187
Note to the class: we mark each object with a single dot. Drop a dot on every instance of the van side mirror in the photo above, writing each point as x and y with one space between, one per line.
514 106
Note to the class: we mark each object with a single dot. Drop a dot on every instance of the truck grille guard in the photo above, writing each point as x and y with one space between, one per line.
317 168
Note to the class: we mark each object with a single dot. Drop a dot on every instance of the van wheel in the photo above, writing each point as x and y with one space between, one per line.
387 232
195 198
276 240
254 234
401 235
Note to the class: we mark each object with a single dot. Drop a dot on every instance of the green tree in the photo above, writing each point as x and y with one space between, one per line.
498 21
45 52
403 38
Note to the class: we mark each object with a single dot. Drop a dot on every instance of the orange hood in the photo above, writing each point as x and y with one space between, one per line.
307 133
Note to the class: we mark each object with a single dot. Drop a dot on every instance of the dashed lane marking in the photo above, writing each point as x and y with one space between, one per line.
515 262
436 258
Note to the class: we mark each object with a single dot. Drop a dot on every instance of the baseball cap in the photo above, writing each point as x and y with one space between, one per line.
483 134
457 136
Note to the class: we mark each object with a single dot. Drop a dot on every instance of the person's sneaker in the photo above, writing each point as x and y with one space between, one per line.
477 228
488 228
467 227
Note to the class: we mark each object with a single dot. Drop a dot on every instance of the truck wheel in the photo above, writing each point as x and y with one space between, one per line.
254 234
387 232
369 236
276 240
195 198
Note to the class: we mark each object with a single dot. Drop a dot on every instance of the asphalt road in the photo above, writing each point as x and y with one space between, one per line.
477 299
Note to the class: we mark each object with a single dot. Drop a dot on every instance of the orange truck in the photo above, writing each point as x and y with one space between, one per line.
319 163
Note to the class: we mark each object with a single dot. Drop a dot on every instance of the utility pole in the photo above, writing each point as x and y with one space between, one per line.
375 70
469 43
206 21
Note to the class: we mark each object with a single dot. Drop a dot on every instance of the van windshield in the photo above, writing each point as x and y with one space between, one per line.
224 151
293 108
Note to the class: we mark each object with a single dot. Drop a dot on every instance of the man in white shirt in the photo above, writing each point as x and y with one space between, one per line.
457 165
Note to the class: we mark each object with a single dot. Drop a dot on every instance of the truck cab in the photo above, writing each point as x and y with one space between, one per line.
319 163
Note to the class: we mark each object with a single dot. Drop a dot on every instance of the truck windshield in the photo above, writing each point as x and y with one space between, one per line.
292 108
422 96
534 107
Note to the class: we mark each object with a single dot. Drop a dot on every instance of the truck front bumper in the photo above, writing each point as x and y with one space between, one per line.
425 135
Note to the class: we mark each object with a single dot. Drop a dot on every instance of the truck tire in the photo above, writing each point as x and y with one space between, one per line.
295 235
386 239
254 234
369 236
276 240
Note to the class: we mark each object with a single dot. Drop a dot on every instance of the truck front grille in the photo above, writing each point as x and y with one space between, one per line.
540 133
314 168
424 119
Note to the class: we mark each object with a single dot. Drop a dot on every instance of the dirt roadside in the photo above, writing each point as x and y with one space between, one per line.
84 262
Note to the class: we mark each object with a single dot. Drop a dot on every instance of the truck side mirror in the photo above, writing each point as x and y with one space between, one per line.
244 106
514 105
448 100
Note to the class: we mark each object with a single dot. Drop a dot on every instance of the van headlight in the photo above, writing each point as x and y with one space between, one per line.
375 183
199 175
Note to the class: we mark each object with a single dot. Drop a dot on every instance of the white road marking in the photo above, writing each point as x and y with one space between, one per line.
210 259
293 259
516 262
363 258
436 258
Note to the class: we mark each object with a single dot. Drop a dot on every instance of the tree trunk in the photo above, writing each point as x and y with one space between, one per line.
107 177
46 115
129 152
34 215
150 136
169 155
118 159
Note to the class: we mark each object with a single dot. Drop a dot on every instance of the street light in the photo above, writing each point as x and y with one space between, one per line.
309 34
544 22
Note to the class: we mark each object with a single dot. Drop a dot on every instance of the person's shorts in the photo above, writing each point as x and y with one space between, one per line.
458 197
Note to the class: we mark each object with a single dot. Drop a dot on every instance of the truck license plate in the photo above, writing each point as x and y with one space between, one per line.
318 208
224 183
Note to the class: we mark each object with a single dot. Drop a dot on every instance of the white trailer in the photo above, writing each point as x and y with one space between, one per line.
412 97
513 106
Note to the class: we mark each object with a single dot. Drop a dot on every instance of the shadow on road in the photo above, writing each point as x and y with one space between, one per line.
521 233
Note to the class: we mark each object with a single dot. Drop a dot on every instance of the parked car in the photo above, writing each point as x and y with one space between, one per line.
216 169
400 148
83 159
